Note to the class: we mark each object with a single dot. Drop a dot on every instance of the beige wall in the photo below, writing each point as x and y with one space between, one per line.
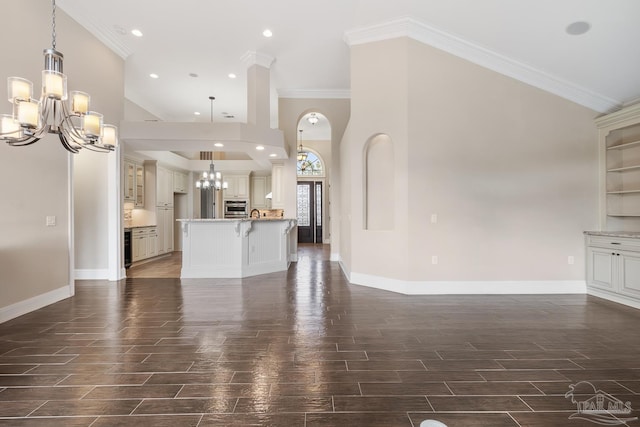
34 259
510 170
337 111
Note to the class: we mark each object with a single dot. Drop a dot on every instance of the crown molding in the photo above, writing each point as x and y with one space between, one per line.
251 58
455 45
107 36
630 113
315 93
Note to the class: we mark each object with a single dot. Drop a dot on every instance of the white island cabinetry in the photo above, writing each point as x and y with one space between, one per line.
234 248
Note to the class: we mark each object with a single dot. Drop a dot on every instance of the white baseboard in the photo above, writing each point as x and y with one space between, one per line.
615 298
497 287
27 306
88 274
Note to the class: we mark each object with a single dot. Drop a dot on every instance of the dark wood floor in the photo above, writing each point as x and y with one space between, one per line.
305 348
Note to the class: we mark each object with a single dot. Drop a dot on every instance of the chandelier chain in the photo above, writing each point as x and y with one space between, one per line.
53 25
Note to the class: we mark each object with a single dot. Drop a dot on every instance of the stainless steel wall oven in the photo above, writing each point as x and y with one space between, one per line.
236 209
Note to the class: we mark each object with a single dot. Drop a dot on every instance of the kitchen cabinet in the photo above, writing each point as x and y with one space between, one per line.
619 140
260 186
164 217
237 186
164 187
134 183
277 186
613 265
144 243
180 182
152 242
129 181
139 197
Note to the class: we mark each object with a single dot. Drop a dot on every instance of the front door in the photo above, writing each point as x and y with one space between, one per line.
309 212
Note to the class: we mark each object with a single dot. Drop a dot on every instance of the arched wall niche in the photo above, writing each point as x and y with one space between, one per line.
379 183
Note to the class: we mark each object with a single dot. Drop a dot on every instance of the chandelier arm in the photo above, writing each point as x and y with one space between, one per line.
66 145
20 142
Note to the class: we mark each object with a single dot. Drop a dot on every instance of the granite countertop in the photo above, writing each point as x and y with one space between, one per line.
632 234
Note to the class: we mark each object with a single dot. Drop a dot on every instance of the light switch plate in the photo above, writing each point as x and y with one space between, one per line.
51 221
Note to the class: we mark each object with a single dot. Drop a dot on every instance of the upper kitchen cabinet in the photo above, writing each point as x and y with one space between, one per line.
277 186
180 182
619 138
133 183
139 203
237 185
260 186
164 187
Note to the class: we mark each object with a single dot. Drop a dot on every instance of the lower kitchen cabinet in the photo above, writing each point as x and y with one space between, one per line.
164 218
613 266
143 243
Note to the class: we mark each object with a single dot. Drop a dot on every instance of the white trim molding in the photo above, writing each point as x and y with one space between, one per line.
484 287
620 299
455 45
35 303
92 274
314 93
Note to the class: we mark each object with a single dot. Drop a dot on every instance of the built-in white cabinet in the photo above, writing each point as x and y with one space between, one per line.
143 244
164 187
260 186
277 186
619 138
133 189
164 216
180 182
237 186
613 265
139 193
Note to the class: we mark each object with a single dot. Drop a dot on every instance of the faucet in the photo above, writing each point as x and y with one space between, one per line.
257 213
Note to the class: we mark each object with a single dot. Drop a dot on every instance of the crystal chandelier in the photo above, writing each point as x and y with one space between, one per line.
313 119
211 179
75 125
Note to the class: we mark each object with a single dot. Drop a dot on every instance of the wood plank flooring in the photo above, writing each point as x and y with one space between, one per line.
305 348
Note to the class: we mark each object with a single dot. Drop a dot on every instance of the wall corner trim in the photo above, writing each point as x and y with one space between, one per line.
480 55
485 287
27 306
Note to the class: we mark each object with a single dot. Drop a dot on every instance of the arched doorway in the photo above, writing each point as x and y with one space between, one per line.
313 175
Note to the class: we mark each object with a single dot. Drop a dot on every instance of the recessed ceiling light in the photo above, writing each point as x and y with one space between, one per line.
267 33
273 155
219 144
232 76
577 28
259 148
136 32
197 113
154 75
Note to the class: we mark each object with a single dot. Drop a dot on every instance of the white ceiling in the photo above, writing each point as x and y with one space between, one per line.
210 37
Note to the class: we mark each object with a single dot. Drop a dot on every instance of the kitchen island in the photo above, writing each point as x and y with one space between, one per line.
234 248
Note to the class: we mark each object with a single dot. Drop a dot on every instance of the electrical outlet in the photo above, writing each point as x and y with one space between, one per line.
434 218
434 259
571 260
51 221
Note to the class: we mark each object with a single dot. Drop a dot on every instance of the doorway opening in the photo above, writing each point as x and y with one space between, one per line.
313 175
